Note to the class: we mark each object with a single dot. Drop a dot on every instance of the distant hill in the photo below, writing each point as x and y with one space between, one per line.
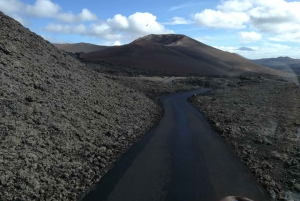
179 54
79 47
285 64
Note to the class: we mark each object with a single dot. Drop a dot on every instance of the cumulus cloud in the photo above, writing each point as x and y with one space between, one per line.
218 19
10 6
178 20
118 22
104 31
145 23
276 18
279 17
85 15
250 36
44 9
117 28
127 28
67 29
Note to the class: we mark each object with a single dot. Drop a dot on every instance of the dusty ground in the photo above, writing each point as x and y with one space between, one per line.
260 119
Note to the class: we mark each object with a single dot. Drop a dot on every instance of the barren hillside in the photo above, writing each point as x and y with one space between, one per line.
259 118
62 125
178 54
79 47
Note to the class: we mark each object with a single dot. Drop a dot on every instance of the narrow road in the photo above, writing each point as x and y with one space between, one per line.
181 158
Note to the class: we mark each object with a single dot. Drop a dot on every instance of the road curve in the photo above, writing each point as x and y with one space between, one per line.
181 158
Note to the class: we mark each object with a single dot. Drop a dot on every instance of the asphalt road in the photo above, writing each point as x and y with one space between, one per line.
181 158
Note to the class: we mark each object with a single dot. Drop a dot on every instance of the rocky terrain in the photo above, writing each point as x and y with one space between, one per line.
62 125
257 116
260 120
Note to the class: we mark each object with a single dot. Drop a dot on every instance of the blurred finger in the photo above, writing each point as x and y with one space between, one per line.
235 198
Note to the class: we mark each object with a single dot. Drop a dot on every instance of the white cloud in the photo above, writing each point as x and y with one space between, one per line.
119 22
178 20
250 36
290 37
10 6
43 9
117 43
227 48
133 26
105 32
218 19
276 46
185 5
117 28
276 17
85 15
67 29
145 23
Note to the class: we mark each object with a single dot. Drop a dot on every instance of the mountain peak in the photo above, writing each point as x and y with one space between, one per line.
282 57
162 39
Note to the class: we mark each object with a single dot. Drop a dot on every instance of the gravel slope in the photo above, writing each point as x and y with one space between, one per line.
62 125
260 119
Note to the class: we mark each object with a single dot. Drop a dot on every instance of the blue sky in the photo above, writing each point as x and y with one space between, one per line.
268 28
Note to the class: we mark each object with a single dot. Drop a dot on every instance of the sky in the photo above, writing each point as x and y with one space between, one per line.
252 28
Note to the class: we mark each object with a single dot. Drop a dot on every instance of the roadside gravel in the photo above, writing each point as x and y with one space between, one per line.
260 119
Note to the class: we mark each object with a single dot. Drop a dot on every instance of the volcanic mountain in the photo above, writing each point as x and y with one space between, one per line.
285 64
79 47
179 54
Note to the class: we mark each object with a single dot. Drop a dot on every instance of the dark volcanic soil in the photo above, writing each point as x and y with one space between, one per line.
79 47
260 119
177 54
62 125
